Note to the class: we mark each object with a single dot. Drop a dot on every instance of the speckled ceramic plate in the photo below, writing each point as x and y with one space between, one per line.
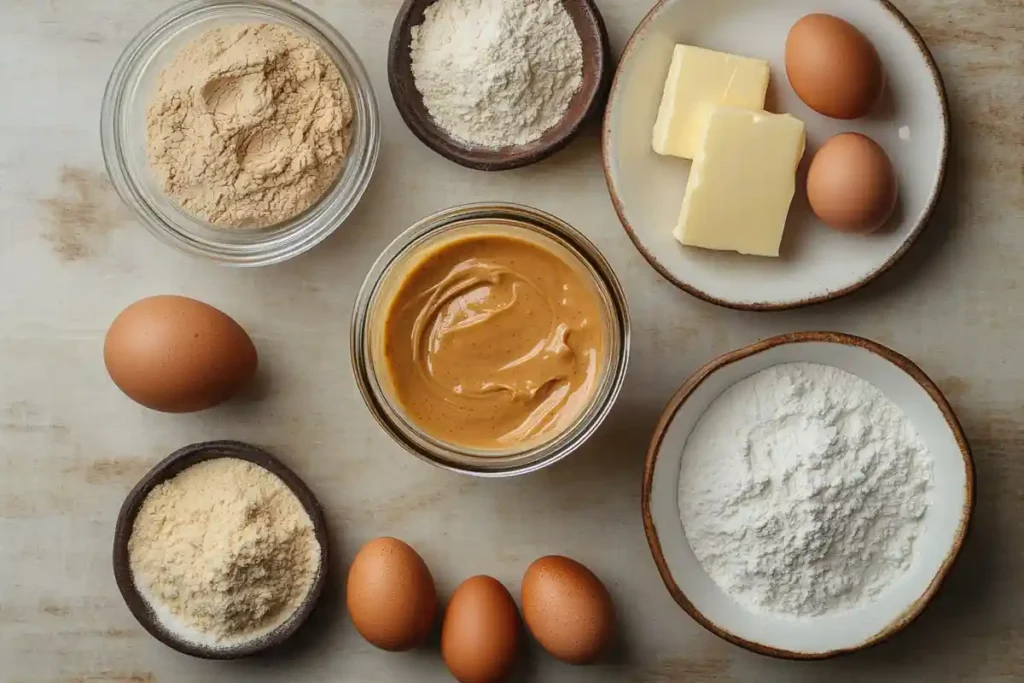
945 523
816 263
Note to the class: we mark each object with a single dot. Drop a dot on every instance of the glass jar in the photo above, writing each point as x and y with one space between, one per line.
123 134
381 285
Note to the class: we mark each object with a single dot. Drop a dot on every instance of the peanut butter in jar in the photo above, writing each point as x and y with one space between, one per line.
494 341
490 339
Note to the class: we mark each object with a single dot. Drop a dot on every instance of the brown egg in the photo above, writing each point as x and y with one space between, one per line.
480 633
567 609
851 185
833 67
177 355
390 595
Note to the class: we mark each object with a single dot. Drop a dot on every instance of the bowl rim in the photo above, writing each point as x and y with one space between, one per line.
923 220
263 246
691 384
495 160
171 466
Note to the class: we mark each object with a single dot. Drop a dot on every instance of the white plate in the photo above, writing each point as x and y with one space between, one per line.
937 547
816 263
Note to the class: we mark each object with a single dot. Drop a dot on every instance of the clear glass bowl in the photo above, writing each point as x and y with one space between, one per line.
379 288
123 134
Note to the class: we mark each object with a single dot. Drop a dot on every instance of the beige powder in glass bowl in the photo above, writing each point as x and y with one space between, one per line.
134 86
249 125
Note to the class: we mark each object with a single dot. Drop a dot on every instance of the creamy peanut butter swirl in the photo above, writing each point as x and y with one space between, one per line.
494 341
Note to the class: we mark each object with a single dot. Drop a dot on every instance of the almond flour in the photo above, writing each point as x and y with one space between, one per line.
249 126
223 552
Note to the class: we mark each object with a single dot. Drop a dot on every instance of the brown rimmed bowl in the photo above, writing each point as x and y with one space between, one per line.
598 67
937 547
166 469
816 263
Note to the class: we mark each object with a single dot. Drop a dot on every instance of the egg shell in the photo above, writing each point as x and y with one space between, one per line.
177 355
390 595
480 635
851 184
833 67
567 609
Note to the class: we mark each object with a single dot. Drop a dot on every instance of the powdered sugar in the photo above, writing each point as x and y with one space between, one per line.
803 489
497 73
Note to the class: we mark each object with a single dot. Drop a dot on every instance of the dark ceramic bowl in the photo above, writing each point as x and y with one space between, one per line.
170 466
597 73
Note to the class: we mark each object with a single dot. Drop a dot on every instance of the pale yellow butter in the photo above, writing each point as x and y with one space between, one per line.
742 181
698 77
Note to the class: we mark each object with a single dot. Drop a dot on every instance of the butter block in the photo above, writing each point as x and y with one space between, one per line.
699 77
742 181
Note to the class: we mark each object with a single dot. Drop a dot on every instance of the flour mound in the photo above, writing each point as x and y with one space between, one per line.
497 73
224 550
249 126
803 489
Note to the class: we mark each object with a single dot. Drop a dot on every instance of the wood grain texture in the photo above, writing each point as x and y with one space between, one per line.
71 446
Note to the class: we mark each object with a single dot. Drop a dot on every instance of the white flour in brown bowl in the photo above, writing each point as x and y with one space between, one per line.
249 126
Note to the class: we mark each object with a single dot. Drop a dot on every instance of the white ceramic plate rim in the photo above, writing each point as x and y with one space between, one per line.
923 218
666 543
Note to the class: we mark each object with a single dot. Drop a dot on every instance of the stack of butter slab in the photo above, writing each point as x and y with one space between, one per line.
745 159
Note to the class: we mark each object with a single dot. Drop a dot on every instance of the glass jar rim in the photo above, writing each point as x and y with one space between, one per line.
241 247
451 456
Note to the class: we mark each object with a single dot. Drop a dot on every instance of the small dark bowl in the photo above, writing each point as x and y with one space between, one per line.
170 466
597 75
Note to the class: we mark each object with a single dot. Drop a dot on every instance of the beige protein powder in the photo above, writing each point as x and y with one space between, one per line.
223 552
249 126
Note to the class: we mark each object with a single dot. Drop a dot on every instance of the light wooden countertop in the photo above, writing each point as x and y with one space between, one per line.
71 446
